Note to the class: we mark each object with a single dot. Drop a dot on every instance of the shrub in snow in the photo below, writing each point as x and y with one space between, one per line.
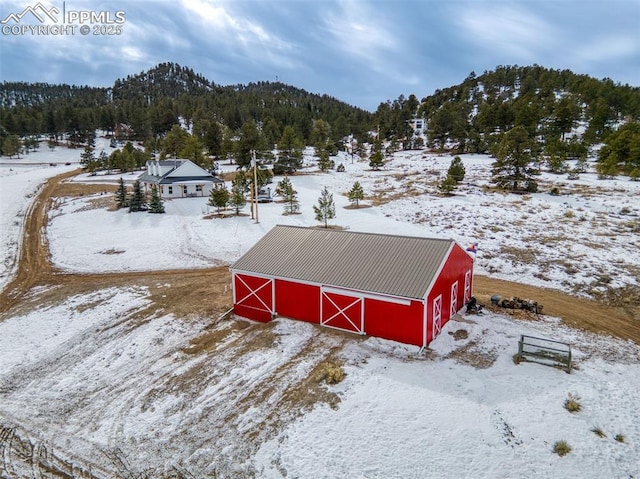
331 373
572 403
561 448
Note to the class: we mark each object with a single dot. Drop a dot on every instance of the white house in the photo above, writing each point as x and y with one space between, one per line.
179 179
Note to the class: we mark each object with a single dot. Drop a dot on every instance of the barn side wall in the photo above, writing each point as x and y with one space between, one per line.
298 300
398 322
456 266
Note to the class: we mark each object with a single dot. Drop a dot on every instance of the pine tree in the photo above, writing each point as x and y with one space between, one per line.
285 190
324 161
11 146
292 205
356 194
121 195
456 170
447 185
237 199
289 152
88 158
283 187
376 161
515 156
137 201
325 210
156 205
219 197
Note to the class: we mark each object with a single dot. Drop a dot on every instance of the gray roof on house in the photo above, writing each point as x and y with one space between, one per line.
403 266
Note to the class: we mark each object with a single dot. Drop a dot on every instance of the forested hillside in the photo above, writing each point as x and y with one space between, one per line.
558 114
151 102
555 115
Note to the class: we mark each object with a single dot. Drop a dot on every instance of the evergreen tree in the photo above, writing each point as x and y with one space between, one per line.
325 210
284 187
11 146
193 150
250 138
447 185
156 205
103 162
621 150
219 197
137 201
174 141
292 204
515 156
324 161
289 152
121 195
356 194
456 170
237 199
376 161
88 159
290 196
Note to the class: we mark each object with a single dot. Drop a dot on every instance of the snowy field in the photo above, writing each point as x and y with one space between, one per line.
91 375
583 241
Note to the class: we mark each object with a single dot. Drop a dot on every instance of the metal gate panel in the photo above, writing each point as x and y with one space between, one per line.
342 312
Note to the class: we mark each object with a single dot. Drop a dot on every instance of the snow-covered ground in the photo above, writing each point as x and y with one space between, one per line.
90 374
583 240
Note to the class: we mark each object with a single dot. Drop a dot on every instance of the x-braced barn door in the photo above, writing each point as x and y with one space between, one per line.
437 316
254 292
341 311
467 286
454 300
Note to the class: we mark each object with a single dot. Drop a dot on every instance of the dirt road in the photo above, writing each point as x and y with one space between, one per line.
206 290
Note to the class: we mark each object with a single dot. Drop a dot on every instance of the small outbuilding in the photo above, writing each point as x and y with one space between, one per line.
401 288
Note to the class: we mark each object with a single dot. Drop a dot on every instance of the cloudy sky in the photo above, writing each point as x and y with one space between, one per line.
361 51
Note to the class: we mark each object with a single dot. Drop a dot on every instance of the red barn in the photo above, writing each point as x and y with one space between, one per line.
395 287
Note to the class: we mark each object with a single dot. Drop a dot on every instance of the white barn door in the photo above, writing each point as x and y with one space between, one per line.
454 300
437 316
467 286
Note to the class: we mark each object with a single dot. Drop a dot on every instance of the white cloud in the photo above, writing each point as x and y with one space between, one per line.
506 29
357 30
608 48
236 31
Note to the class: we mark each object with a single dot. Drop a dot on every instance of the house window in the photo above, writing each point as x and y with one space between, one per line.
199 188
170 188
184 189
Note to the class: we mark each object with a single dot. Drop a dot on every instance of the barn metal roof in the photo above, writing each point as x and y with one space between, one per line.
401 266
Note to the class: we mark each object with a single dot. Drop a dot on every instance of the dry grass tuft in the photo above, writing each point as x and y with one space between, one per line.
331 373
561 448
619 437
598 432
572 403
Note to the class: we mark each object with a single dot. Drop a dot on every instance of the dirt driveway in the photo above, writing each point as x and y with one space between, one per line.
206 291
